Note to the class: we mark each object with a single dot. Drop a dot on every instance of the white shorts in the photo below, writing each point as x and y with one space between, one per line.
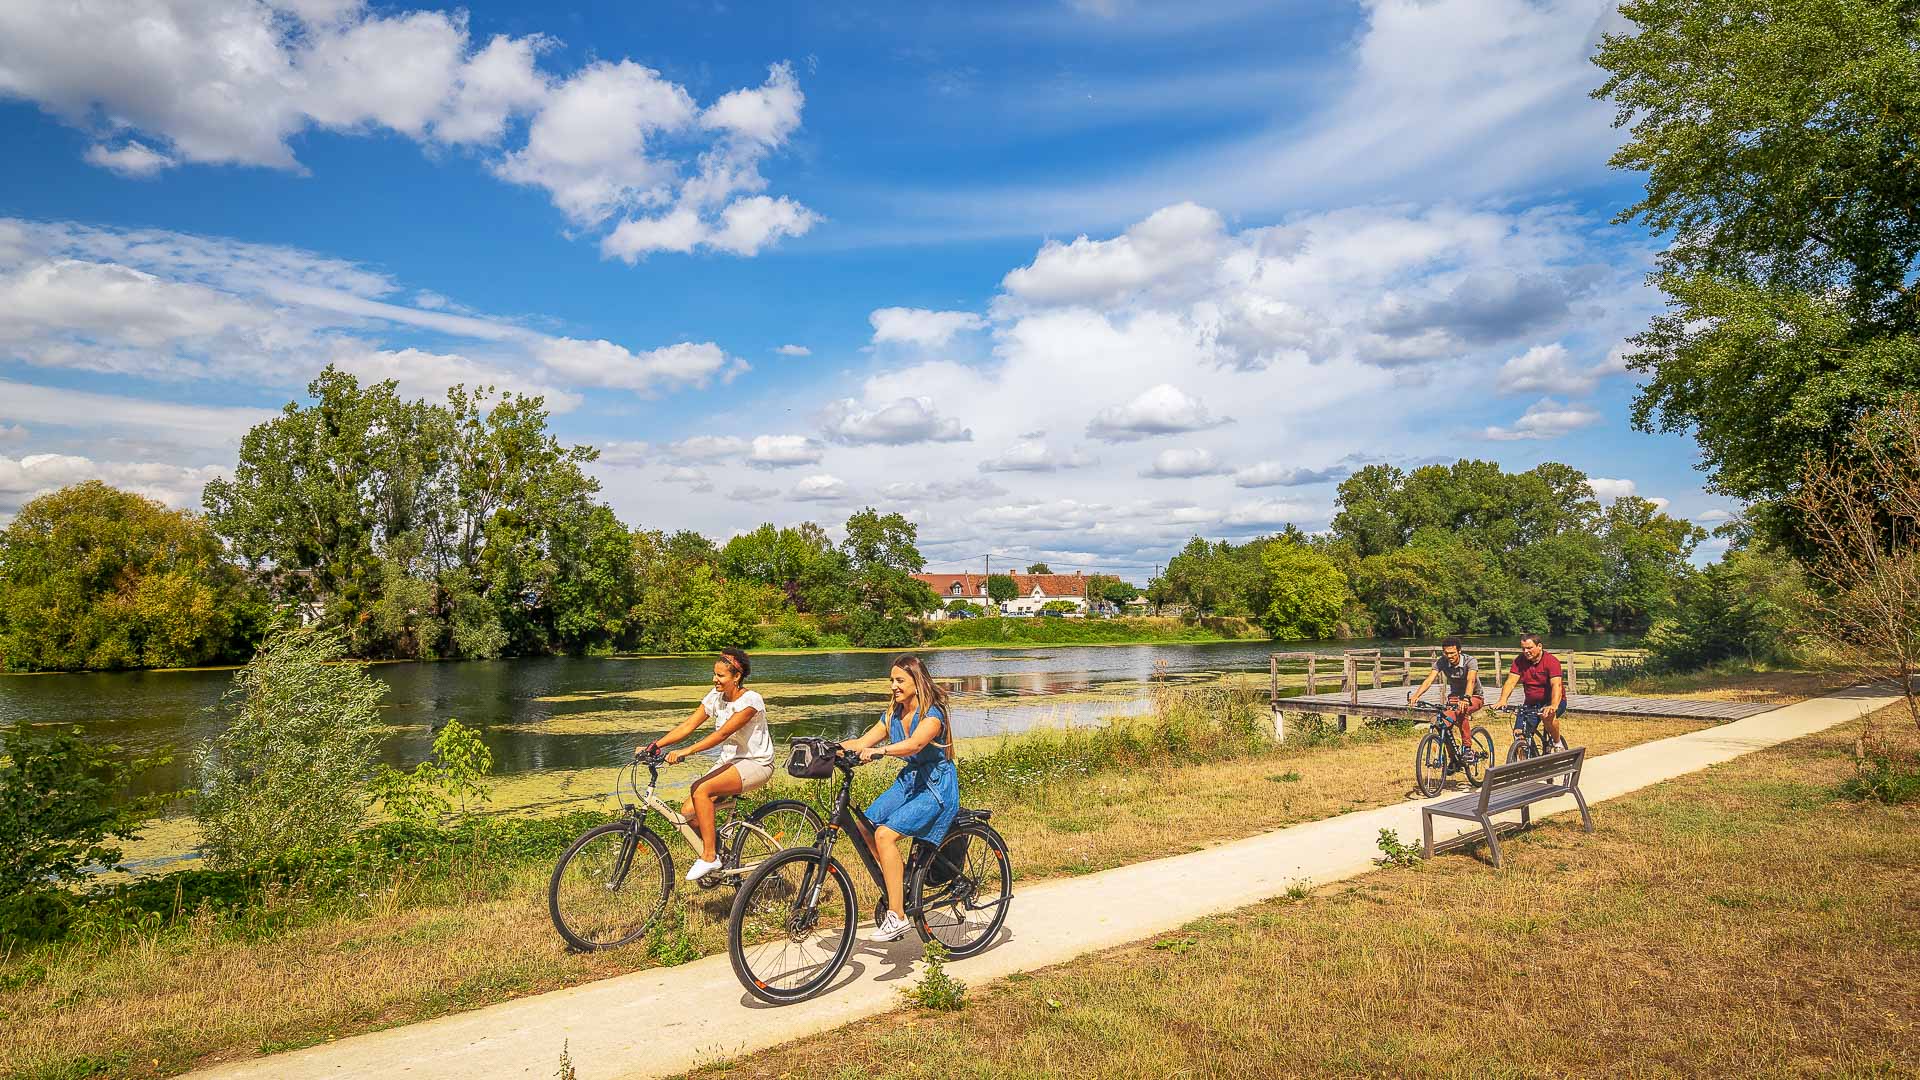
753 774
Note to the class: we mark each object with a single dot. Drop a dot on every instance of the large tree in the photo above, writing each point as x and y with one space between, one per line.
882 554
95 577
802 562
1779 139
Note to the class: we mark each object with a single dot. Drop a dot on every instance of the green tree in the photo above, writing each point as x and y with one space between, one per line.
882 554
62 803
801 562
451 783
1000 588
1646 555
290 770
1039 568
1307 593
1778 140
1744 607
95 577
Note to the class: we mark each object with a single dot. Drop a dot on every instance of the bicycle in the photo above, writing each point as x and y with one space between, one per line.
1439 753
1533 740
615 879
791 928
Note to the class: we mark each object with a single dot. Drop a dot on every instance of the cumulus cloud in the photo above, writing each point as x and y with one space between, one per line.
1545 419
941 490
708 448
784 451
754 493
919 326
794 350
1035 456
1711 517
625 453
26 478
132 158
1172 242
1607 490
1182 464
901 422
1270 513
1161 410
822 487
424 374
1551 369
235 81
1274 474
693 479
655 371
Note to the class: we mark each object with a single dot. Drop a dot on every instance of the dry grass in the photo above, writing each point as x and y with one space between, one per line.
1743 921
1763 687
159 1004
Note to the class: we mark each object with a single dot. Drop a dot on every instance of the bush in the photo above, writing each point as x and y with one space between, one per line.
59 808
936 989
449 783
290 772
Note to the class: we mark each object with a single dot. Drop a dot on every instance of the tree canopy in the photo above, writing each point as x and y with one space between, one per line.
1780 142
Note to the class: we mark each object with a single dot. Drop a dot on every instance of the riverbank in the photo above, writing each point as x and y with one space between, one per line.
1780 944
426 940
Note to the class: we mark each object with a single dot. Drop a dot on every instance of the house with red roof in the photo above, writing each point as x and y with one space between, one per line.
1034 591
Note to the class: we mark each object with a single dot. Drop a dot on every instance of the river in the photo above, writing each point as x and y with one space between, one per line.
565 713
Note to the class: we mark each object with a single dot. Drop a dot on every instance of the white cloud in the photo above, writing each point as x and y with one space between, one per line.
132 158
784 451
755 493
1606 489
1160 410
1270 513
24 479
625 453
1173 241
708 447
235 81
822 487
671 367
1184 463
1542 369
1546 419
794 350
1274 474
694 479
189 425
13 434
919 326
1711 517
428 375
898 423
1032 455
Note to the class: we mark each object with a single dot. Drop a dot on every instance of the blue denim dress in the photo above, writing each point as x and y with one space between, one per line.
926 795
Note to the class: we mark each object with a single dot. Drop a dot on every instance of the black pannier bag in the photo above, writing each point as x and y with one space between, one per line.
950 860
810 759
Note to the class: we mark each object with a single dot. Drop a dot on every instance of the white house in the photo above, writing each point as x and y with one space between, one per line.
1034 591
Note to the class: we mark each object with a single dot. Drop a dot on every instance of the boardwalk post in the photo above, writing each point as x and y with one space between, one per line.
1273 675
1376 669
1312 684
1570 683
1350 684
1497 669
1406 666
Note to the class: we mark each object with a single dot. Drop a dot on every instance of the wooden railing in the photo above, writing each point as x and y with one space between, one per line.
1375 665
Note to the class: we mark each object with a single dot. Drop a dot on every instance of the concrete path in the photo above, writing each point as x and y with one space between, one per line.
668 1020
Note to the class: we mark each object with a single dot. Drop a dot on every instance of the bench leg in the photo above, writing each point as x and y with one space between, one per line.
1586 819
1526 816
1493 839
1426 833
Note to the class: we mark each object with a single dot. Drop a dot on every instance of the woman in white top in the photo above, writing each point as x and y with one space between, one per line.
746 750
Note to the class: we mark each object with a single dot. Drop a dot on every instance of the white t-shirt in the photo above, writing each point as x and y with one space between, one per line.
752 741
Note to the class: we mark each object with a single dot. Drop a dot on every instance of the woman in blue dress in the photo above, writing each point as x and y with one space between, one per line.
926 795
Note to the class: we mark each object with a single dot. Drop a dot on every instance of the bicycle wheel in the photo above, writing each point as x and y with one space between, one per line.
966 910
1520 749
791 931
610 886
773 826
1482 743
1430 764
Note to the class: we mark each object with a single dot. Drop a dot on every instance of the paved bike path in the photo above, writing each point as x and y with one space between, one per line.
668 1020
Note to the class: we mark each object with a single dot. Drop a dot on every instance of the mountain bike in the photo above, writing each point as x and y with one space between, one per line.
616 879
791 929
1533 740
1439 754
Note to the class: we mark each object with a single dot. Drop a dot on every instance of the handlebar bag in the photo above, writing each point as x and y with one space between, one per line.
810 759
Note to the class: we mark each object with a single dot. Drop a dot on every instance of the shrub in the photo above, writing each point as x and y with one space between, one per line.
1395 852
937 989
291 769
59 808
452 782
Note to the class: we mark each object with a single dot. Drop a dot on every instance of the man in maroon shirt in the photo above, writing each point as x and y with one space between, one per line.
1539 672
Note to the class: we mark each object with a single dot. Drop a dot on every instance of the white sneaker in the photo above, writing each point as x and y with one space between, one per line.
891 928
701 868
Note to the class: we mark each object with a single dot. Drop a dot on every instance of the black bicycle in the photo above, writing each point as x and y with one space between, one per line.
1440 753
793 921
616 879
1532 739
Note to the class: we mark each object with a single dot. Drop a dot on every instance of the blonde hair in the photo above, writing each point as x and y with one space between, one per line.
927 696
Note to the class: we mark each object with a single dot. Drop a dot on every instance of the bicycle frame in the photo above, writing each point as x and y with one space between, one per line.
847 818
649 800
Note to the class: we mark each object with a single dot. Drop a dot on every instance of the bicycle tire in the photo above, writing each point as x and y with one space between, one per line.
1430 765
764 911
1482 744
804 818
963 937
606 902
1520 749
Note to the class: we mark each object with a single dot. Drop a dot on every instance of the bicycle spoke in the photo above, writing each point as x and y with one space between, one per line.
786 943
609 889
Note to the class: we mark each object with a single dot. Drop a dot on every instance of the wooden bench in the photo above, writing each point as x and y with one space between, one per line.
1509 787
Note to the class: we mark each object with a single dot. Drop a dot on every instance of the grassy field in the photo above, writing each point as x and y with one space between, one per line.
292 972
1742 921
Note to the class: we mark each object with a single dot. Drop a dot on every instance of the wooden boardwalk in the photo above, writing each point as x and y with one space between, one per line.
1391 701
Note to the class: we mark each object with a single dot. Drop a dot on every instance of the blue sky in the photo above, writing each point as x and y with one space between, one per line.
1068 281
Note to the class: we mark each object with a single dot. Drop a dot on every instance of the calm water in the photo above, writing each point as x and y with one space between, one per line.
605 707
